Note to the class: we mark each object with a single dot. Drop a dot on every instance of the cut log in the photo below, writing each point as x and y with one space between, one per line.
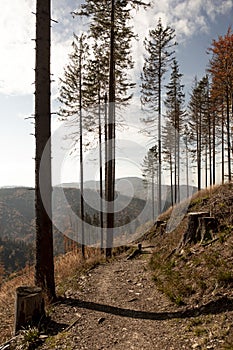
207 227
136 252
192 234
29 307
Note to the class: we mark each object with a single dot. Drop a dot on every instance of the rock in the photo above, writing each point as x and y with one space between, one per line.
133 299
101 320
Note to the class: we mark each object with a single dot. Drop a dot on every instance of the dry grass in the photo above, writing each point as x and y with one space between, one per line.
198 274
71 265
7 300
67 267
193 274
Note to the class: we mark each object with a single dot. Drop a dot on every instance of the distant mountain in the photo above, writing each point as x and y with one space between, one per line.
17 213
135 186
125 186
14 255
17 218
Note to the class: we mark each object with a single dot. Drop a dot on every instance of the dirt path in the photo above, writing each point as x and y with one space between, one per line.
118 307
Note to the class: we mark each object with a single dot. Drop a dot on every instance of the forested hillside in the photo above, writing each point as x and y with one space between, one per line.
17 217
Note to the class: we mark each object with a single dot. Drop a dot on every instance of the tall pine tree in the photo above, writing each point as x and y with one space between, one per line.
75 99
44 267
175 114
221 70
149 172
112 33
159 49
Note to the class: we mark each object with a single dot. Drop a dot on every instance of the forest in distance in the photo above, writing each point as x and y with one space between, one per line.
17 218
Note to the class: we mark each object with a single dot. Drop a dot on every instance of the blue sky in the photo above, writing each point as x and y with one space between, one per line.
197 22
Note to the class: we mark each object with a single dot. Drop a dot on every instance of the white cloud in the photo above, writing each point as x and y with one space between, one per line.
215 7
17 28
187 17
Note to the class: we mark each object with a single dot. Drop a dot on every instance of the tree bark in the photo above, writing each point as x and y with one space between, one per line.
192 234
44 267
207 226
228 136
82 214
29 307
101 177
110 190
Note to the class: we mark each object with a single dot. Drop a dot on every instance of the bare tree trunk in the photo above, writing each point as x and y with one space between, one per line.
178 161
210 152
111 139
199 152
101 177
223 155
187 167
153 194
81 152
171 180
175 168
214 150
228 137
159 137
206 165
44 268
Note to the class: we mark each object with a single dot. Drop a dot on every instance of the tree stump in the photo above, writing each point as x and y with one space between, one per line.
207 227
160 226
29 307
192 234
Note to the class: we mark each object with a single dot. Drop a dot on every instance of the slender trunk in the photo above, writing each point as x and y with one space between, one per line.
228 136
106 148
187 167
214 150
178 162
153 194
199 153
111 139
101 177
175 168
210 147
159 134
44 267
171 181
223 152
81 155
206 165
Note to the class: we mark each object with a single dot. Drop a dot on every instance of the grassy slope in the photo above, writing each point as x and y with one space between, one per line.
200 273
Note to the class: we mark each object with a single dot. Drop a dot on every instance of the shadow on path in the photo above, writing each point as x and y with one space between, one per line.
212 308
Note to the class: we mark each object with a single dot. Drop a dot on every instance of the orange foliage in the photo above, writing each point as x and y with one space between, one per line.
221 64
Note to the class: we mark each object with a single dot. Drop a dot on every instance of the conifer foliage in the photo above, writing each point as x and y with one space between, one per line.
108 75
175 114
150 172
159 49
221 70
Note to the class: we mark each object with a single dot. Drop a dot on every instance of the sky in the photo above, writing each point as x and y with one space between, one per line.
197 23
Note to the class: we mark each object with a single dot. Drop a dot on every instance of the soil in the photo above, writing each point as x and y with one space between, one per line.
117 306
